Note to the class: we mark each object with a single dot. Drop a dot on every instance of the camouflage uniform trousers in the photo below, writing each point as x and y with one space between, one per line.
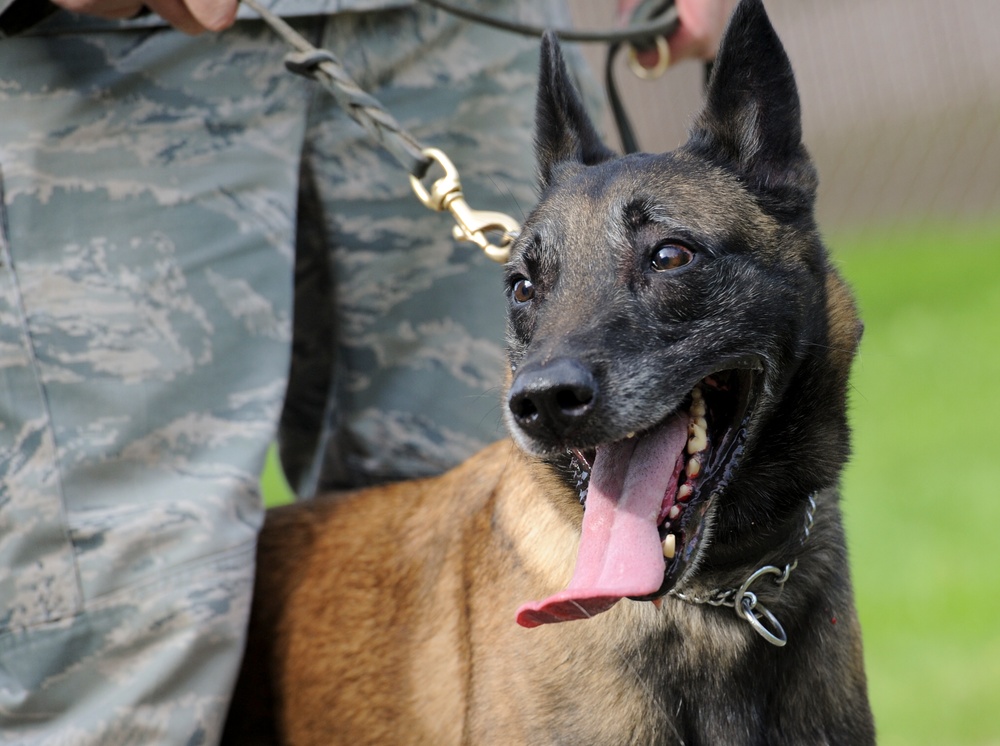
163 195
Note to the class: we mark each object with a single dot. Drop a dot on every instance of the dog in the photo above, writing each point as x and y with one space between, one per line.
656 555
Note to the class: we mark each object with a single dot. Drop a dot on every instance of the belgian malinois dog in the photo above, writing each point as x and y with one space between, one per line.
679 348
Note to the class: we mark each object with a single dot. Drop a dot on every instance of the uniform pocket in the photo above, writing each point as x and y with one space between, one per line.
38 576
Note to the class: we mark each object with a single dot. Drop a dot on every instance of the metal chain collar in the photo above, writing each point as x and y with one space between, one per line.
745 603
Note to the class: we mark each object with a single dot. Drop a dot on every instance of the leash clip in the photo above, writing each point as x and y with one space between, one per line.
471 225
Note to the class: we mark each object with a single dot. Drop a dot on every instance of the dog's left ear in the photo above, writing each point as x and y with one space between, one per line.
563 131
751 122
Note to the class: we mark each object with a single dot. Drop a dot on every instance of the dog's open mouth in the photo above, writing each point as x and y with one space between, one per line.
646 498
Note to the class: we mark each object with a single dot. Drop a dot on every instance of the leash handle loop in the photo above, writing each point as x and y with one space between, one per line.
445 193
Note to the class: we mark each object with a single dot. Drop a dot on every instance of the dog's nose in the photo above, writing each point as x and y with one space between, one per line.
552 398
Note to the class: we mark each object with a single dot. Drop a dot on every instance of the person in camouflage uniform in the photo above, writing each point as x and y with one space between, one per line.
170 206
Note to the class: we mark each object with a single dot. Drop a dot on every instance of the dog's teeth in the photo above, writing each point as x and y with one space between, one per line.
698 408
630 436
685 492
657 602
675 510
698 439
670 546
693 467
697 444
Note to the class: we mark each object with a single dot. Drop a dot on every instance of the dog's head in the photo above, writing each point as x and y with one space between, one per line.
679 344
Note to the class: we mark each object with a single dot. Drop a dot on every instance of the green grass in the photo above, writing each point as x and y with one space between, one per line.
273 484
922 492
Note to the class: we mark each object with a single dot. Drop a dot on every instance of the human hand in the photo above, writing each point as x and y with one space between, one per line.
190 16
700 27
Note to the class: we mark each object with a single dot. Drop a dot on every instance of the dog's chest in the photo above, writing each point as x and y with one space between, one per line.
634 675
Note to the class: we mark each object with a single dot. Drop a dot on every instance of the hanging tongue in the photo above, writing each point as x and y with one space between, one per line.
620 552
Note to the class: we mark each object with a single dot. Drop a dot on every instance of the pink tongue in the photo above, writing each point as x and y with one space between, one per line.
620 551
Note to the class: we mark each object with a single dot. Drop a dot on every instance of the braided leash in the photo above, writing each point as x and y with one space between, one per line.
322 66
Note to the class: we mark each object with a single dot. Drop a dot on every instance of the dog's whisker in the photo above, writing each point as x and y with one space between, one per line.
503 188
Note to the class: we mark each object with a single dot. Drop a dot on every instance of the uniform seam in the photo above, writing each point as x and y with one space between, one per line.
162 578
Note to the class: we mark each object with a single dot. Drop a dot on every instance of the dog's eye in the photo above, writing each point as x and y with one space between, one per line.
522 290
670 256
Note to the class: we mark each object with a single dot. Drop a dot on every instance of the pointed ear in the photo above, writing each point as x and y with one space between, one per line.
563 131
751 122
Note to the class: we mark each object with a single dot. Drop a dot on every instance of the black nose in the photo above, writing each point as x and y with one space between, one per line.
551 399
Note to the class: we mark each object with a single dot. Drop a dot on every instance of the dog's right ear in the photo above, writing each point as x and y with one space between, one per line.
563 131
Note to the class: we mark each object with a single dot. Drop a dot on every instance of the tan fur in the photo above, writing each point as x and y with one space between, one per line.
388 616
844 325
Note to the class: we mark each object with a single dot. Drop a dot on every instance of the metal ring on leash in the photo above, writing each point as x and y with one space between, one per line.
662 61
750 609
480 227
778 638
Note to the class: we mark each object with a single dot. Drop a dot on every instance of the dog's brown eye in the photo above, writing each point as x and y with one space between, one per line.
523 290
670 256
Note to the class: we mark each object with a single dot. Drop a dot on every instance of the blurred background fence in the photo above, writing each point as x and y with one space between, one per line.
900 104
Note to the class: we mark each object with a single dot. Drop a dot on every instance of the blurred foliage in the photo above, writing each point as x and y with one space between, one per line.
921 492
273 484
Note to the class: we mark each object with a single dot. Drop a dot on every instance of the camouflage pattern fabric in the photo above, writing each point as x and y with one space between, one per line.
162 196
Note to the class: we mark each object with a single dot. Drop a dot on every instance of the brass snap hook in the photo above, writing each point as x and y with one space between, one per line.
445 193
